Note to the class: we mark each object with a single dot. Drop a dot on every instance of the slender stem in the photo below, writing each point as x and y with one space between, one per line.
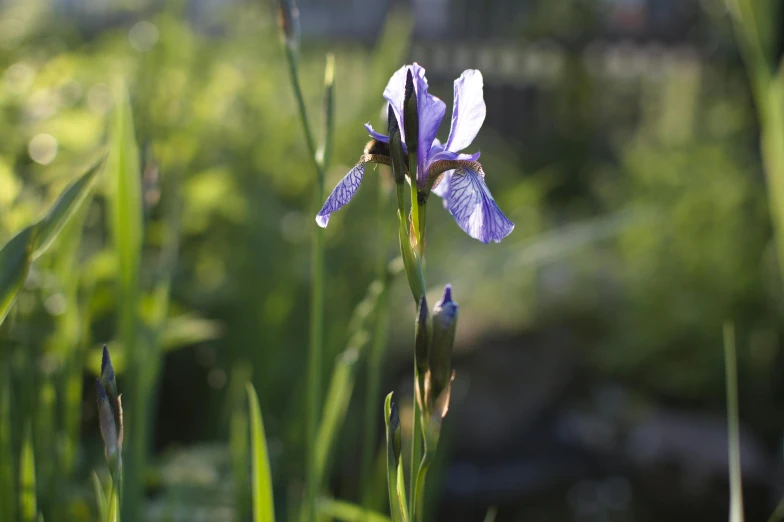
416 452
316 341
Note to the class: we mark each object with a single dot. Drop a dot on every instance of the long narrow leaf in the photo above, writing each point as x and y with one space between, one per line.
7 474
125 212
347 512
263 500
64 208
733 424
14 265
28 506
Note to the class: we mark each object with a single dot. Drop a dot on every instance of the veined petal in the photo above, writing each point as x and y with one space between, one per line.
442 188
473 207
468 112
342 194
347 187
375 135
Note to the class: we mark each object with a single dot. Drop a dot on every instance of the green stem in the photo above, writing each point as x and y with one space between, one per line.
416 453
316 341
418 501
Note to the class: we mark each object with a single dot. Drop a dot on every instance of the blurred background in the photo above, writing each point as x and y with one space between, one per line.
622 140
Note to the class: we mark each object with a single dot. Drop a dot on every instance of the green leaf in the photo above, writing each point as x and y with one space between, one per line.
64 208
263 501
14 265
100 496
733 424
347 512
124 184
7 474
27 498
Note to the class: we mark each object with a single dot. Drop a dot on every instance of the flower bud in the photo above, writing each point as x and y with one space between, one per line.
444 325
411 117
422 348
108 426
396 148
109 382
288 22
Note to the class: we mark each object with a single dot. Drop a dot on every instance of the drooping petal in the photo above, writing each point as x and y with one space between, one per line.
473 207
442 189
468 112
375 135
342 194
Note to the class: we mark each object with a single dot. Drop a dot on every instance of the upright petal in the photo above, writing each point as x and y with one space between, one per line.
395 93
431 112
473 207
468 112
342 194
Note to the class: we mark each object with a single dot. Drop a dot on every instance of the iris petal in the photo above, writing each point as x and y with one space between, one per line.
395 93
473 207
375 135
431 112
342 194
468 113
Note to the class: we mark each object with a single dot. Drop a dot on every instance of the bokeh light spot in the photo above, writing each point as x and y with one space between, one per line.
42 149
143 36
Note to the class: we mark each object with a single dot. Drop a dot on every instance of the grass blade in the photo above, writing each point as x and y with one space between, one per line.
28 508
64 208
125 213
733 424
7 474
263 500
347 512
14 265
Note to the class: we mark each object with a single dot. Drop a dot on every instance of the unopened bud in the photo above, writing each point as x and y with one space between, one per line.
411 117
109 382
396 148
444 326
422 347
108 425
288 22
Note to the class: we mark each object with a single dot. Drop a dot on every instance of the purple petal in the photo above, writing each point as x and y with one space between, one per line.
468 112
431 112
342 194
473 207
375 135
395 93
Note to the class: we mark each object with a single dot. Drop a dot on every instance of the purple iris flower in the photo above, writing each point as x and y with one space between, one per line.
455 177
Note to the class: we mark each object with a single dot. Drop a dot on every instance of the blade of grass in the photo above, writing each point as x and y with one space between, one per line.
64 208
733 424
125 210
263 500
28 507
347 512
7 473
14 265
397 507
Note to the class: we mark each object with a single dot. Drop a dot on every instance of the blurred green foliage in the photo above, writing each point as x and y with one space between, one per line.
658 181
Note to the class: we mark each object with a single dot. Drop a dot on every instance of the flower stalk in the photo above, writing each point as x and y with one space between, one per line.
288 18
